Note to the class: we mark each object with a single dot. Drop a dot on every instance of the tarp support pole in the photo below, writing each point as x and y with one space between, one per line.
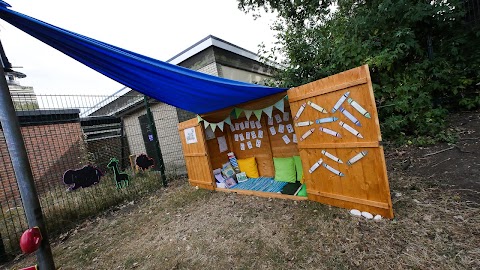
153 128
23 172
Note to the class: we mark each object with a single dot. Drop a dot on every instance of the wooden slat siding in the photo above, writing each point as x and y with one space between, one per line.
372 102
187 124
330 89
216 158
350 199
365 184
340 145
263 194
197 159
195 155
278 146
263 155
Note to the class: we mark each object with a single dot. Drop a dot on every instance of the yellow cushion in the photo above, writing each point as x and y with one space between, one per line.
249 166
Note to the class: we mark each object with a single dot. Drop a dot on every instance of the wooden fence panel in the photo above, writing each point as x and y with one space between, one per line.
339 129
196 155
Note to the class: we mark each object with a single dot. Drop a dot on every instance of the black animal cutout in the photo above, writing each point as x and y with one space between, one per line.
82 178
121 178
144 162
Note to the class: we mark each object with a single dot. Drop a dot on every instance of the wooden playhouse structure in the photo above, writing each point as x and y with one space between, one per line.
337 128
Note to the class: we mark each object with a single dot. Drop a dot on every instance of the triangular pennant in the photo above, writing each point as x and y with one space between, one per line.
268 111
213 126
199 119
258 114
238 111
228 120
205 124
220 125
280 105
248 113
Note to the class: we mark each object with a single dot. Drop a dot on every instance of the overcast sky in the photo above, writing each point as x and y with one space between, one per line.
158 29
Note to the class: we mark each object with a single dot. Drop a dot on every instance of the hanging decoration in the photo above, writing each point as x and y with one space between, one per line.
248 113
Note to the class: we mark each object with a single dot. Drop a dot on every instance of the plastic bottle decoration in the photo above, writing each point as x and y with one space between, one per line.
121 178
233 161
30 240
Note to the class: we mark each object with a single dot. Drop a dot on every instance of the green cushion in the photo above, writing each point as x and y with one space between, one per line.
303 191
298 167
285 170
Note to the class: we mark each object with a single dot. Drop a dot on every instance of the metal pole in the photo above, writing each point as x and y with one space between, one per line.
151 122
23 172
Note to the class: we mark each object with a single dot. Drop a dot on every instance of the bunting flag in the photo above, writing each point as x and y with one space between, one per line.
268 111
258 114
238 111
280 105
248 113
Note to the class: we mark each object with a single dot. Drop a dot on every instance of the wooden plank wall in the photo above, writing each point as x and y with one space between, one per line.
197 159
364 185
217 159
263 155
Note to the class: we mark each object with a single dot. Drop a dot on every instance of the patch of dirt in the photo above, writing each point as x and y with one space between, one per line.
436 225
451 166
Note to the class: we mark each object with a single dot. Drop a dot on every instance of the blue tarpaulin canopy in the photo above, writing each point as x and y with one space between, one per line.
174 85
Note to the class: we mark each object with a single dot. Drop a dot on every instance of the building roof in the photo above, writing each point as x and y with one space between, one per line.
208 42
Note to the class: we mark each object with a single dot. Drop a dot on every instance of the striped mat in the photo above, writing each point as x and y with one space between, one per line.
265 184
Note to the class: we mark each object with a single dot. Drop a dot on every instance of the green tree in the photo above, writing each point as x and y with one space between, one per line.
424 57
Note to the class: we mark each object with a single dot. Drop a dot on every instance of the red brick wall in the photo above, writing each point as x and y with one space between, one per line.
52 149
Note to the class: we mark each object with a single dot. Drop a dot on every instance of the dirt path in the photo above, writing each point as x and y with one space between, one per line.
436 225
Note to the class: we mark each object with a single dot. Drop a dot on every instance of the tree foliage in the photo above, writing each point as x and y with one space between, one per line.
423 56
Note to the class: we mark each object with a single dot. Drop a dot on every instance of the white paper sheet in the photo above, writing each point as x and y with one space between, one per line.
222 144
295 138
270 121
272 131
241 137
232 128
286 139
236 137
258 143
286 116
242 126
247 135
254 135
247 124
242 146
252 124
281 128
290 128
249 144
190 135
258 124
278 118
260 134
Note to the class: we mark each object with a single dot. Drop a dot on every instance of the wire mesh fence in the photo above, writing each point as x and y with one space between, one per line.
71 140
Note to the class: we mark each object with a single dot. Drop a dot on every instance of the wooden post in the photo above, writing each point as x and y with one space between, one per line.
132 159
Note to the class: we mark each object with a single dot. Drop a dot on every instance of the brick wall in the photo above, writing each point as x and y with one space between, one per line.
52 149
